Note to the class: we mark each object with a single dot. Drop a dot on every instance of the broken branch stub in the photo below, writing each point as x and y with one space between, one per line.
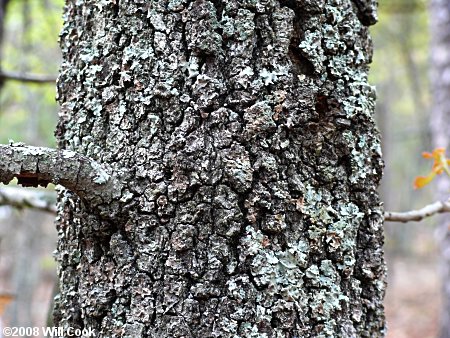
34 166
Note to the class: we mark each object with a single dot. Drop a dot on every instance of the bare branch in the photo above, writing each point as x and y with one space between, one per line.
418 215
23 198
34 166
31 78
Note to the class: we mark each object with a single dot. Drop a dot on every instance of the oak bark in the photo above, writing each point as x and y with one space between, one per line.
244 137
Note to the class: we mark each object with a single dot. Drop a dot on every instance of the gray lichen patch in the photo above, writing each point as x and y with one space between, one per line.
275 272
311 46
100 175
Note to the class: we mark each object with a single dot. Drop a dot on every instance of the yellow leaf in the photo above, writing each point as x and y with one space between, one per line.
5 299
440 164
422 181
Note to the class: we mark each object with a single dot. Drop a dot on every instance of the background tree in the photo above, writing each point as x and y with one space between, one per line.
239 162
440 127
413 295
3 6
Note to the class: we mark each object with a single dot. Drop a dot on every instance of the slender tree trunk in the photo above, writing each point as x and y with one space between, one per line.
440 126
3 6
241 133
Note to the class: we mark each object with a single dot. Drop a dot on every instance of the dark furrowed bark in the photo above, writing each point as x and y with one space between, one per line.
244 133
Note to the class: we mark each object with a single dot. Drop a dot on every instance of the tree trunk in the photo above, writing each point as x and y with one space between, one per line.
242 135
440 126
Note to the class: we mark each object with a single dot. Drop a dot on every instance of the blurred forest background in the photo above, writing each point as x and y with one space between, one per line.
400 71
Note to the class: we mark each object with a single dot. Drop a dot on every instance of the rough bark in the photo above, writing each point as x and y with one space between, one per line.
440 126
244 133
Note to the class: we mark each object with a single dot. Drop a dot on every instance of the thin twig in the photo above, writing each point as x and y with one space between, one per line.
418 215
24 198
23 77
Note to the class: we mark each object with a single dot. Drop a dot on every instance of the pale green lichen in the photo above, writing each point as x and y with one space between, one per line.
100 176
361 157
280 272
318 206
271 76
327 300
68 154
311 46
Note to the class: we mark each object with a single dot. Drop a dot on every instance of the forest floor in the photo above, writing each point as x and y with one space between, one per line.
413 297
